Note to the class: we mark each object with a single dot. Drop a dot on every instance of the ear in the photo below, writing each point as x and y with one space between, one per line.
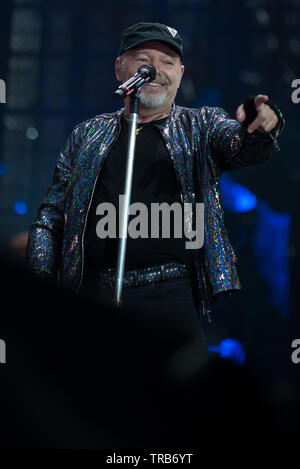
180 75
118 69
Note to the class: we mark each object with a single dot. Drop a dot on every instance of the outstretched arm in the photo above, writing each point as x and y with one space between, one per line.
235 145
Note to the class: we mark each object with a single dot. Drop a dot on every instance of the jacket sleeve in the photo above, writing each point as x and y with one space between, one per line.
233 147
45 234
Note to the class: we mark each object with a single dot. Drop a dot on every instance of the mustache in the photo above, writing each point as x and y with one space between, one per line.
161 81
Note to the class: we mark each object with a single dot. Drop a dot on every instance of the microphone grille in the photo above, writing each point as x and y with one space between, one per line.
149 69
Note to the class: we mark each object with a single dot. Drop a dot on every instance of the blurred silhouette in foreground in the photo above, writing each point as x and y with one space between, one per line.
78 376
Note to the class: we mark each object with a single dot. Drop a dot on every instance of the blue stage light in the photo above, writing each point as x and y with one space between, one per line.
233 350
20 207
236 197
230 349
270 243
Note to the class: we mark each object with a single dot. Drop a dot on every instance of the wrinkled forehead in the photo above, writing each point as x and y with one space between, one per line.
151 46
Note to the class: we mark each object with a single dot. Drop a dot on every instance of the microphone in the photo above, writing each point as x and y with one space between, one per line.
145 74
250 110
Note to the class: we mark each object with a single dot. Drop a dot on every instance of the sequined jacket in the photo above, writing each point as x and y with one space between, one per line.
201 142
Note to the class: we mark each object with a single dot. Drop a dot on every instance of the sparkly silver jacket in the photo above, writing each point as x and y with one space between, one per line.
201 142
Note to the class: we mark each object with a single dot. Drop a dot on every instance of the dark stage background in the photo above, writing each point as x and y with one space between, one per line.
57 62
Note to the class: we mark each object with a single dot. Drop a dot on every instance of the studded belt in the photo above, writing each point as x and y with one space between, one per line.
145 276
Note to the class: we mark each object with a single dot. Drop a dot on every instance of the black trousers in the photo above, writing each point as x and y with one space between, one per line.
164 311
153 351
156 332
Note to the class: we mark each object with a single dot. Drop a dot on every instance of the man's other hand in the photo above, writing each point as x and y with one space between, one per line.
266 118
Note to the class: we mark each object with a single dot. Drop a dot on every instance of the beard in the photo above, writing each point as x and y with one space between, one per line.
152 101
148 100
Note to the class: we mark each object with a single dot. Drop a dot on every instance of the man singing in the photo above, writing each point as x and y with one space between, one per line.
180 154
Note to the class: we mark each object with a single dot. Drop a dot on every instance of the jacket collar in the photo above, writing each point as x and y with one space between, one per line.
120 112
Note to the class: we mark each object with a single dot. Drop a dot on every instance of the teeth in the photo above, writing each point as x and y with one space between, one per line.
154 84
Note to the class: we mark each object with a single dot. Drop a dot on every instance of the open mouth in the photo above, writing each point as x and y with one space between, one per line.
154 84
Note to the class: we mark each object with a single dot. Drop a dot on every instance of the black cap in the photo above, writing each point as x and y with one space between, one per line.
144 32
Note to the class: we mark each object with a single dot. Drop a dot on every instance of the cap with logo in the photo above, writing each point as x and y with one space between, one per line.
144 32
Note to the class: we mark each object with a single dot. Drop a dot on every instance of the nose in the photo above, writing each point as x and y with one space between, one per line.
154 74
156 65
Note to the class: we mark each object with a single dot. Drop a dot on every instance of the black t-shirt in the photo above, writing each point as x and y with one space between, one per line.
154 181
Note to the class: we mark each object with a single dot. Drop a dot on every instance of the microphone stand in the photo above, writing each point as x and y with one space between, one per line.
133 118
